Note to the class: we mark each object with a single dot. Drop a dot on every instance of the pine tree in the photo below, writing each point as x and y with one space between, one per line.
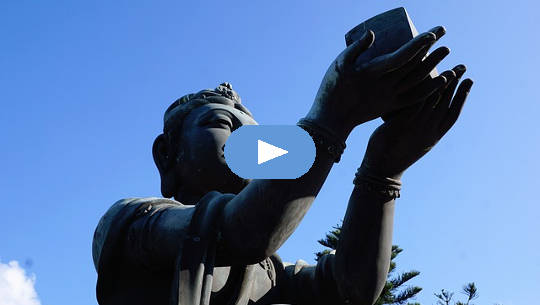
469 290
393 292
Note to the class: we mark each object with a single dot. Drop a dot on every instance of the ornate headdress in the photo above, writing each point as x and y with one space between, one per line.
182 106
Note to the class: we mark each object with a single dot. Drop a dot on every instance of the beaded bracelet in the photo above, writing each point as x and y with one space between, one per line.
324 138
386 187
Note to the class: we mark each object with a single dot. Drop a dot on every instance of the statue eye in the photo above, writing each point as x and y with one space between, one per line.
217 119
219 122
224 122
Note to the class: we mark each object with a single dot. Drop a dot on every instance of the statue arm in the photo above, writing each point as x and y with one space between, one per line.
364 249
265 213
305 284
357 271
363 254
257 221
154 236
147 231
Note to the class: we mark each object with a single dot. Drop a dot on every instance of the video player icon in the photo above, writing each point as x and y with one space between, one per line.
270 152
267 152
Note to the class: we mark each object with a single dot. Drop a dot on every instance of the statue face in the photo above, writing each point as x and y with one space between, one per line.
201 149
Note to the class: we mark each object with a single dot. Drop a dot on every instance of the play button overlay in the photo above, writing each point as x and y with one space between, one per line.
267 152
270 152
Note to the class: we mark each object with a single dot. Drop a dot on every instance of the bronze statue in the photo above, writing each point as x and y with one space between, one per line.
215 243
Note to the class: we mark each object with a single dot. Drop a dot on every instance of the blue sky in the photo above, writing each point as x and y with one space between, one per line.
83 86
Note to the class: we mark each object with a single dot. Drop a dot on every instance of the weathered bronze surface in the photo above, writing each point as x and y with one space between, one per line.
215 242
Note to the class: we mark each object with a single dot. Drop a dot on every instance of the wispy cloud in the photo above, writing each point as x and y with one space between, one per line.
16 287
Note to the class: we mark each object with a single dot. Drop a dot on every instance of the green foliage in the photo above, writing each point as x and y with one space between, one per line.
394 292
444 298
469 290
330 241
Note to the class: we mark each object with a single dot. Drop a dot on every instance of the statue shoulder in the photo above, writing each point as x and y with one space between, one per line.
118 215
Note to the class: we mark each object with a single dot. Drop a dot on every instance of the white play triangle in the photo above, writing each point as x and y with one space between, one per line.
267 152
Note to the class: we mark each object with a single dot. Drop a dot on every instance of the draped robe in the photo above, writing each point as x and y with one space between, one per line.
135 264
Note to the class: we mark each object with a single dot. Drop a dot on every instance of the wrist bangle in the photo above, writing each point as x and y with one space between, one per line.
386 187
324 139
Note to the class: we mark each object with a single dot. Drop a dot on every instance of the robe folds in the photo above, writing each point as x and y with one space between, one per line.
132 232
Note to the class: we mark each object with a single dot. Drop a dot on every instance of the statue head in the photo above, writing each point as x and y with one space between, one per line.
189 154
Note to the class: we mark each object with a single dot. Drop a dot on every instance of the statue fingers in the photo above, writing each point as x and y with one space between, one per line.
397 76
457 104
440 108
422 69
428 109
436 105
423 90
356 48
390 62
439 31
452 82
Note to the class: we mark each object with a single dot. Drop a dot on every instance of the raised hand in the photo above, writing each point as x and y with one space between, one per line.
353 92
411 132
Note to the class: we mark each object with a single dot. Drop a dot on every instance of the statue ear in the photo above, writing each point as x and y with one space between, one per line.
165 161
